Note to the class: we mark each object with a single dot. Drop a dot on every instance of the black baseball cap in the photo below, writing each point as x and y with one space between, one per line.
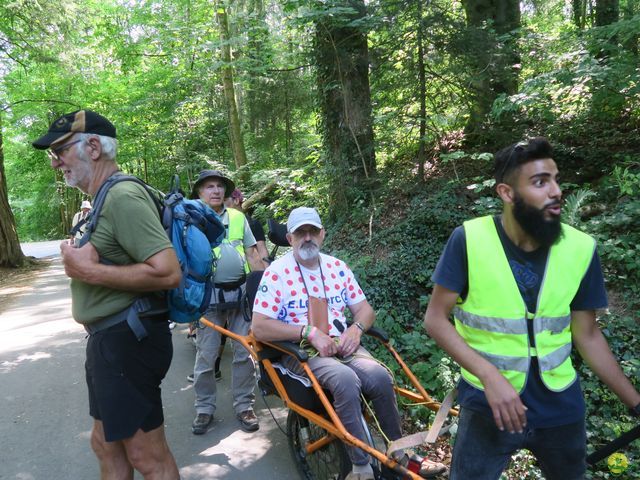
82 121
205 174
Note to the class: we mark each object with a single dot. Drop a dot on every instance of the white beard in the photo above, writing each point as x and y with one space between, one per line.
309 251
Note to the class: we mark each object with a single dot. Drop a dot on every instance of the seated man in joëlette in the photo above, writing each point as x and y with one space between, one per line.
303 295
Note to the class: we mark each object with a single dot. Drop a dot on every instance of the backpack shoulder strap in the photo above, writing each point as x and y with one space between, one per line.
101 195
76 228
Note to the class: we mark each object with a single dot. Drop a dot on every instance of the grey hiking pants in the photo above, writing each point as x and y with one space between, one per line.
345 381
243 375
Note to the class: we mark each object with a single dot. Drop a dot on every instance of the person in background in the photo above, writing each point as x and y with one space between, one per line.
233 259
523 289
236 200
79 221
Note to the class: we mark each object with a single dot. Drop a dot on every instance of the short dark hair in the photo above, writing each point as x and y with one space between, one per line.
512 157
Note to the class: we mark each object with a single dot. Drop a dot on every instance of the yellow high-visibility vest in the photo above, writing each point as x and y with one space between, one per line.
234 236
493 317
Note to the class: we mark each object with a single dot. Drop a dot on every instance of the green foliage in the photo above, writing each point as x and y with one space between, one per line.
627 180
618 235
572 205
395 266
607 417
154 69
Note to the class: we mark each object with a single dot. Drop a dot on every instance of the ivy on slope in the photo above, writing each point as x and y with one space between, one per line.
394 269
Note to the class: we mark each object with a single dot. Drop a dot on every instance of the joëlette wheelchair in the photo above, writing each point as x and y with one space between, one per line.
316 435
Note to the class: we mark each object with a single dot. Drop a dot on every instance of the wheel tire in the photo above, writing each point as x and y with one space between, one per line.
329 463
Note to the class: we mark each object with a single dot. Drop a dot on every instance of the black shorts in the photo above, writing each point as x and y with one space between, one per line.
124 376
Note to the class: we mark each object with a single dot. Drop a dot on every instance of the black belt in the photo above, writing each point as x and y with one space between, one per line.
150 309
230 286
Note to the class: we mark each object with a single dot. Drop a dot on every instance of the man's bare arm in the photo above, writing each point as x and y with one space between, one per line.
595 351
269 329
351 338
159 272
253 258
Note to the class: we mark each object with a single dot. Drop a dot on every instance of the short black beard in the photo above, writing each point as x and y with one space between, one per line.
531 219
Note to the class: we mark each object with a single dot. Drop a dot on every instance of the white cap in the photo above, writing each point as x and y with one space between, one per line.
85 204
303 216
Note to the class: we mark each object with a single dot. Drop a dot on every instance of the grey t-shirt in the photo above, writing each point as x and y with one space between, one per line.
230 266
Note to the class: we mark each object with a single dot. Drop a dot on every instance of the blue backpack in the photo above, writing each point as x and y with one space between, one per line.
194 230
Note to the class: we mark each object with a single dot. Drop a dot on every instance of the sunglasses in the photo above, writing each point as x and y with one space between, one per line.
54 152
518 147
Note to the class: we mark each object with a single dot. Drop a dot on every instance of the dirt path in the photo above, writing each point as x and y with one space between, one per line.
44 421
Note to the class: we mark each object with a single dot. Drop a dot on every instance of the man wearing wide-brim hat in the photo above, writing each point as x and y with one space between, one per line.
233 259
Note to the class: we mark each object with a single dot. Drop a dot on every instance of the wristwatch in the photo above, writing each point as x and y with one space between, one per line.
635 411
360 326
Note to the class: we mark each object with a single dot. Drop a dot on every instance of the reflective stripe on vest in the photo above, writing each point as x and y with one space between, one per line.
493 317
234 236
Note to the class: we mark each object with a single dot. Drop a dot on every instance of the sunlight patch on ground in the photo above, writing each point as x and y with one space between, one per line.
25 336
24 476
235 447
14 290
8 365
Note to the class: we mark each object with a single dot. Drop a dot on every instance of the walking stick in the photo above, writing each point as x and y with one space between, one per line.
616 444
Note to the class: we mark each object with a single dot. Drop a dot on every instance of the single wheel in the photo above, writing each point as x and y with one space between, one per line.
328 463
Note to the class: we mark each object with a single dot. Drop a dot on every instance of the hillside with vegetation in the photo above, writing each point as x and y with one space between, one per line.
384 114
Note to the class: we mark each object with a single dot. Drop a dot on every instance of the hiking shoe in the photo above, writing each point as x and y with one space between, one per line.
218 375
422 466
248 421
430 469
201 423
190 378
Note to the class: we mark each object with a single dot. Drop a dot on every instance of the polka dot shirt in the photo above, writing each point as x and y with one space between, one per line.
282 294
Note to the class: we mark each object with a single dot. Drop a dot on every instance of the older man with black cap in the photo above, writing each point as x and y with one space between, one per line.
303 295
233 260
123 374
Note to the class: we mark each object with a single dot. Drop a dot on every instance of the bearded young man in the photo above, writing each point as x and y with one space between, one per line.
523 288
304 294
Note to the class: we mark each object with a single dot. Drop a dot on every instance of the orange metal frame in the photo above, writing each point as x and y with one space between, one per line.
333 426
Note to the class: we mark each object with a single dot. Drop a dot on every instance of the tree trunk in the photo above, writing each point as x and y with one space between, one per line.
631 43
235 132
287 116
607 12
494 56
422 94
342 59
10 252
579 8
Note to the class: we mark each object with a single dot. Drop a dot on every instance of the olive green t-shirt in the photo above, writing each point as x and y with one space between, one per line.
129 231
